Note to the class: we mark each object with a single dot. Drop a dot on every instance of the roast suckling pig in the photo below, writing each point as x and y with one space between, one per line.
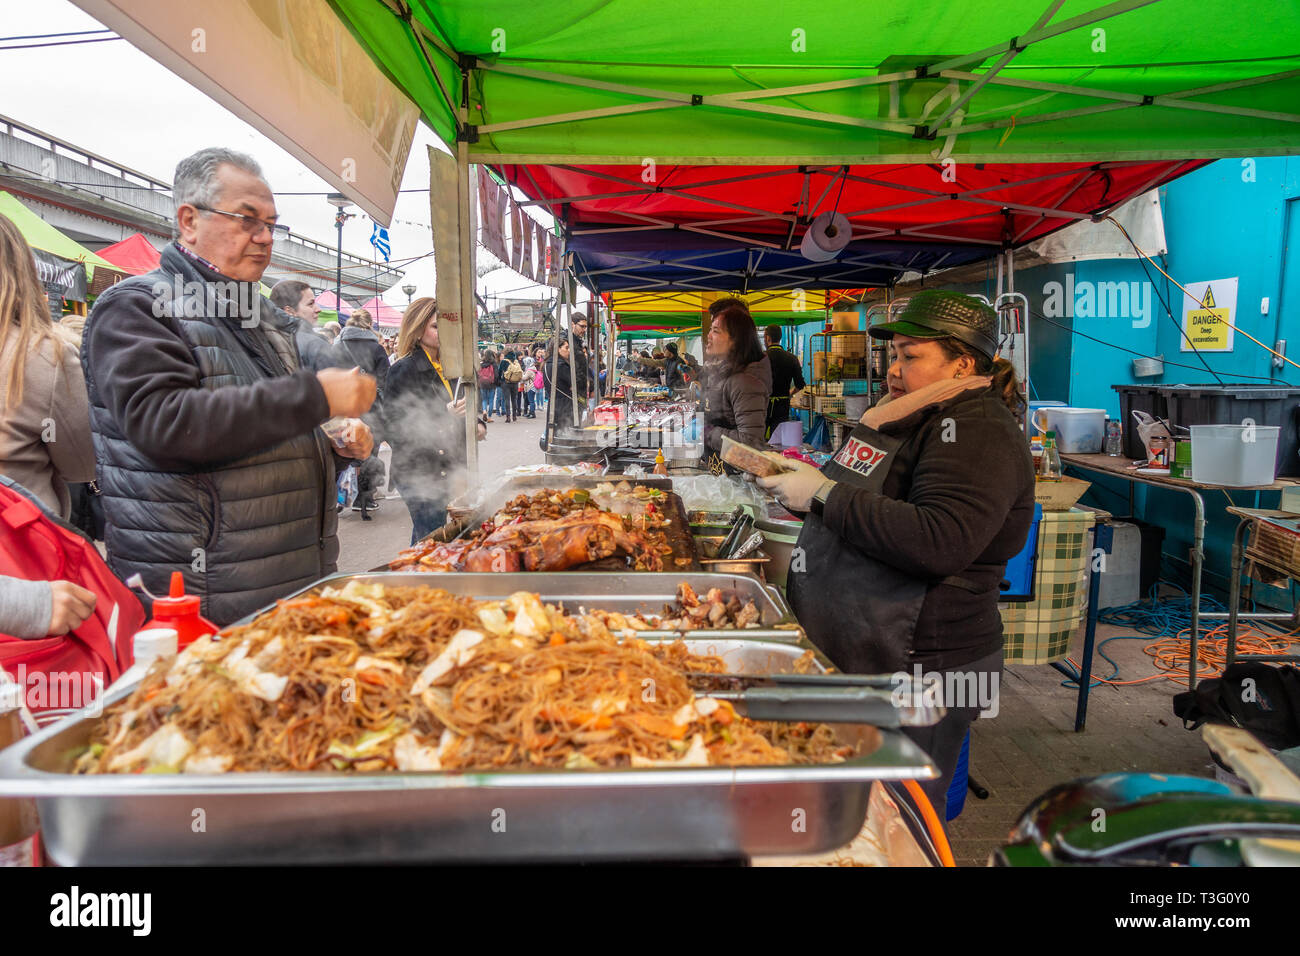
551 531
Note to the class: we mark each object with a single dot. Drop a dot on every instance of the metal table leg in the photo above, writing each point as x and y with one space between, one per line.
1198 558
1234 588
1103 539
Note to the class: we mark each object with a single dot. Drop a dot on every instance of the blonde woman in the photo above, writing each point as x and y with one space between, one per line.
426 423
45 429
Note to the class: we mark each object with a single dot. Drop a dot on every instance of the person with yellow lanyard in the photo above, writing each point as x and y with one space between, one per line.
426 424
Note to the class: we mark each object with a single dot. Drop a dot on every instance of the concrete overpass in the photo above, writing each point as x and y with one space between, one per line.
98 202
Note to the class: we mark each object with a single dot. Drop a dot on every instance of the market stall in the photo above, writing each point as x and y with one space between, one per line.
387 716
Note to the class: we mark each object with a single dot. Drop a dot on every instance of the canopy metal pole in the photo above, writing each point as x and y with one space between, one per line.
468 308
593 330
554 357
569 295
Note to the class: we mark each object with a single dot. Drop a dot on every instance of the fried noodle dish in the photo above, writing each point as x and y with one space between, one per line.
370 677
555 531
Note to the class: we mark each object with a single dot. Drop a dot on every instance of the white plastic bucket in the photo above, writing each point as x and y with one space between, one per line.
1079 431
1239 456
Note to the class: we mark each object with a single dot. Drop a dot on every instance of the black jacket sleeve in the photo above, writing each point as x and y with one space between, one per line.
961 493
150 384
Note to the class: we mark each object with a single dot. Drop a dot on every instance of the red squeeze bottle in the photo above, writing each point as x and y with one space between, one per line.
180 611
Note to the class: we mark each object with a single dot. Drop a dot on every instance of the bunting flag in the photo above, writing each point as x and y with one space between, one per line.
490 215
541 244
553 264
526 261
516 238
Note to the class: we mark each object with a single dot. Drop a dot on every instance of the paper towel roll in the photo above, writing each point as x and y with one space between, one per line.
826 237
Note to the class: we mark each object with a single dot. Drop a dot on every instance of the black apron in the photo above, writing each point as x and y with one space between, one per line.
870 628
778 411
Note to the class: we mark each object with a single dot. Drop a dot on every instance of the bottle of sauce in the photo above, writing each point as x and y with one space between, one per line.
661 466
1050 469
180 612
18 820
147 646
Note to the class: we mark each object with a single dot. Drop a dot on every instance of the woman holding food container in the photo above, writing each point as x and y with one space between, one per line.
910 525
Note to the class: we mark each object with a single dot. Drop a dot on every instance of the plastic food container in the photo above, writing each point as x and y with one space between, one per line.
1239 456
1079 431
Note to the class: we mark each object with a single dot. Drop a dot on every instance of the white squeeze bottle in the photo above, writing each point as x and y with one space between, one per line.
148 645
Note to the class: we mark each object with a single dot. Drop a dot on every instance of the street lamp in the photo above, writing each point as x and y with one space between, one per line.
339 202
409 289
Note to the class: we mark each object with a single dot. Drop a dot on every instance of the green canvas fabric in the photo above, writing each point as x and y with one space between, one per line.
714 47
41 235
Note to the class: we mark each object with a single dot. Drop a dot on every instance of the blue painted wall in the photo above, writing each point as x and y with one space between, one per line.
1233 218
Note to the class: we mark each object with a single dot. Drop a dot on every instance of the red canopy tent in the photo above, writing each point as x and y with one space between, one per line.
665 227
135 254
382 313
325 299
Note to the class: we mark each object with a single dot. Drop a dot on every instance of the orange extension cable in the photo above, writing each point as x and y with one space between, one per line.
939 838
1172 655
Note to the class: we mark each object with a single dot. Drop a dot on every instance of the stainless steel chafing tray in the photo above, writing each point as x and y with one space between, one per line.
553 815
644 591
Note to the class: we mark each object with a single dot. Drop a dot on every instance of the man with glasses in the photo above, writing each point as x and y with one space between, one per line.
581 365
205 417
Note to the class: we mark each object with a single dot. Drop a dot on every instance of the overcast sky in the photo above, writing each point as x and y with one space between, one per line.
110 98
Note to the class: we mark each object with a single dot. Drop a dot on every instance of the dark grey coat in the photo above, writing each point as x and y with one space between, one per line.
208 454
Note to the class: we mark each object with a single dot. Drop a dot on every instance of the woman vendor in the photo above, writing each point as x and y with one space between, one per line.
910 525
738 384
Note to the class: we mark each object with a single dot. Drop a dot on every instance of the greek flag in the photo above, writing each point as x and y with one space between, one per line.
379 239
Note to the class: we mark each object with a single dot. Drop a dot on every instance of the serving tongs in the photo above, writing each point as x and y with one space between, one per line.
742 523
881 700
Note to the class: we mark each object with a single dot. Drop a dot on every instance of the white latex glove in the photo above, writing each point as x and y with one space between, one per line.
795 489
457 407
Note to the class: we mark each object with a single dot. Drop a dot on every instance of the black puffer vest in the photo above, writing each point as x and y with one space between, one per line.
244 532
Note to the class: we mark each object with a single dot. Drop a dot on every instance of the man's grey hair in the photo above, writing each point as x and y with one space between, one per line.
195 182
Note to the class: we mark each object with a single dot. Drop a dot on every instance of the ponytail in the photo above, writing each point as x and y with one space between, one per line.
1007 386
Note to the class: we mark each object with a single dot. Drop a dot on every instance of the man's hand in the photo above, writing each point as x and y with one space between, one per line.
795 489
349 392
481 431
72 605
457 407
358 441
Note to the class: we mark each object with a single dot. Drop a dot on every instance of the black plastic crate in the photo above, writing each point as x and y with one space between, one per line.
1142 398
1189 405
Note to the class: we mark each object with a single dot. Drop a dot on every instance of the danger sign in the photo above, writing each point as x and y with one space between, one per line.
1208 315
860 456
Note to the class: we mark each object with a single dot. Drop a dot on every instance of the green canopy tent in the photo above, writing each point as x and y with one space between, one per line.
41 235
638 334
898 81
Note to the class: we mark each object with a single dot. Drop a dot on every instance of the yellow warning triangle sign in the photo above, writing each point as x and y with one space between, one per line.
1208 301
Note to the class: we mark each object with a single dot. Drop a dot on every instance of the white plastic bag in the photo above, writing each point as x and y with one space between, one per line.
1149 428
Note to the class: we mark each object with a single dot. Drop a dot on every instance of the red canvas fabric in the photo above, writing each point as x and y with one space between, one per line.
135 254
36 546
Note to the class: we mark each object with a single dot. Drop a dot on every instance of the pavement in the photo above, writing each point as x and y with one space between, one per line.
364 545
1027 748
